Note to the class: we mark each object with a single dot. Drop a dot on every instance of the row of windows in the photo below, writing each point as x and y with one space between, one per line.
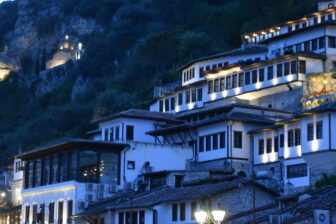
310 131
39 212
269 143
189 74
134 217
256 39
311 45
212 142
293 138
202 70
179 211
299 170
191 96
113 133
255 76
314 21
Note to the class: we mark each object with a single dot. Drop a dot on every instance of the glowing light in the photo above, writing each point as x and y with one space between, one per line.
3 194
190 106
290 78
273 157
258 85
255 35
177 108
237 91
325 81
286 153
265 158
247 37
213 96
275 81
299 151
80 45
67 37
224 94
315 145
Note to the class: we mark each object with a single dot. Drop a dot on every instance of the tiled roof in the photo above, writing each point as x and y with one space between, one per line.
140 114
233 116
56 145
165 194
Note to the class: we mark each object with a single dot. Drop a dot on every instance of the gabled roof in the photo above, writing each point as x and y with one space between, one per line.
168 194
253 49
140 114
70 143
232 116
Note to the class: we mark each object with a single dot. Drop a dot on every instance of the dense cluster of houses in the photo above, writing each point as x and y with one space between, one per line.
247 131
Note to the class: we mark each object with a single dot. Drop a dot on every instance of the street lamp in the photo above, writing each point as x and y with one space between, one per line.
216 216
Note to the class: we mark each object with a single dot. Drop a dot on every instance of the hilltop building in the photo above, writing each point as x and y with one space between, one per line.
264 110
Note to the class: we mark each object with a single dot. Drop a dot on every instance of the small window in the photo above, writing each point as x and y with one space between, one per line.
161 105
269 145
238 139
199 94
282 140
306 46
129 132
261 146
187 97
111 134
279 70
172 103
208 143
117 133
106 134
302 67
254 76
247 78
178 180
216 85
241 79
210 86
214 141
180 98
276 144
331 42
167 104
234 81
193 95
222 84
297 136
298 47
321 42
314 44
270 72
228 82
290 138
174 212
293 67
193 210
261 75
130 165
286 65
201 72
182 211
319 130
201 144
222 140
310 132
299 170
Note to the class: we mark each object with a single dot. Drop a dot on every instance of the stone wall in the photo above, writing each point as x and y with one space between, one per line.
268 167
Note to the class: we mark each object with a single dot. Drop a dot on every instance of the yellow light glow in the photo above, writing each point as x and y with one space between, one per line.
258 85
275 81
247 37
272 31
255 35
213 96
290 78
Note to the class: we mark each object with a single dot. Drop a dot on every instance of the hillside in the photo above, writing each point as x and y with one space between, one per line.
130 47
